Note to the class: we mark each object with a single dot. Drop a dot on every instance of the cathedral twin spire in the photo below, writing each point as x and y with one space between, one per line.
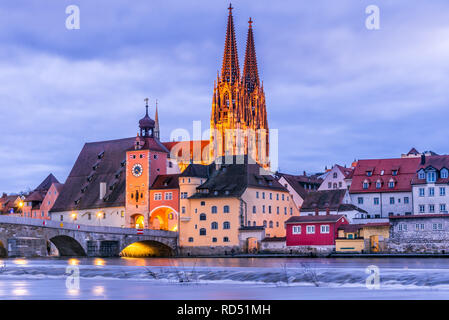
238 101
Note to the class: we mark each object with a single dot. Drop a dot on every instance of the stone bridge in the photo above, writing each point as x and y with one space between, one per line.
26 237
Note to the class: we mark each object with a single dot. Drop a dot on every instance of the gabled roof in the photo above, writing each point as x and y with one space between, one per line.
82 187
347 172
413 151
36 196
382 169
323 200
231 180
436 162
297 182
197 171
46 184
315 219
166 181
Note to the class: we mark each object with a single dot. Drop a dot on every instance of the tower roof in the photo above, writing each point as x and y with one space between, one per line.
250 73
230 71
146 122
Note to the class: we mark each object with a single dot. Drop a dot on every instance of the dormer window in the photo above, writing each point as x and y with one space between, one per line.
444 173
378 184
431 176
421 174
369 173
365 184
394 172
391 184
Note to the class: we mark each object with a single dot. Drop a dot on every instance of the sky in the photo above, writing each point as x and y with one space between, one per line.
335 90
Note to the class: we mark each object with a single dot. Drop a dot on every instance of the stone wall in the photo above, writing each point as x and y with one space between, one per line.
209 250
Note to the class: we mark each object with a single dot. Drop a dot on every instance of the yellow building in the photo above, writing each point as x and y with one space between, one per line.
230 207
362 237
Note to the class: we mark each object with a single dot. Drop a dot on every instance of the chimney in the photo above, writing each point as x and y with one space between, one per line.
102 190
423 159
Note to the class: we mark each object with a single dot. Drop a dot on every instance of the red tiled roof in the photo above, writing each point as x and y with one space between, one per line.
382 170
437 162
347 172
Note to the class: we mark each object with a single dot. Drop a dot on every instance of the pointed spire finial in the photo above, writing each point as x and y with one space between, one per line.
230 8
250 22
146 104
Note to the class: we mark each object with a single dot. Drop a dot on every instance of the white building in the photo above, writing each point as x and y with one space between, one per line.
430 186
336 178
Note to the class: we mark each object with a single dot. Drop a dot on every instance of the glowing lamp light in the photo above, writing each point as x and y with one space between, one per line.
74 216
21 204
73 262
99 262
99 215
20 261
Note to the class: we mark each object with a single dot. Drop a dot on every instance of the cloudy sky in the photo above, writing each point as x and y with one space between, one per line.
335 90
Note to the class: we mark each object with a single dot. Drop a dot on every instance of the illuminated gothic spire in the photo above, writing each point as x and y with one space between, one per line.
230 71
156 125
250 74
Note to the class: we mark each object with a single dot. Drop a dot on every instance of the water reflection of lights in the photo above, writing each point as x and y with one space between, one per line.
99 262
98 290
73 292
20 292
73 262
20 261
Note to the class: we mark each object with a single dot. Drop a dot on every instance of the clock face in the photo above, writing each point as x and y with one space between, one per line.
137 170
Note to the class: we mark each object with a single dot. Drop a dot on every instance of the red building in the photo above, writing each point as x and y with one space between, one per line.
319 230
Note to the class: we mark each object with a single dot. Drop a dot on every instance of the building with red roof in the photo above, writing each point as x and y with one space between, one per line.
336 178
383 187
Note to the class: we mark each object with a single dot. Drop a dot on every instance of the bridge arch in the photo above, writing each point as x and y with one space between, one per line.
67 246
163 218
147 248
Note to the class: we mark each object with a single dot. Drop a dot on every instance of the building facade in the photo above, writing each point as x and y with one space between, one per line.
336 178
40 201
299 185
382 187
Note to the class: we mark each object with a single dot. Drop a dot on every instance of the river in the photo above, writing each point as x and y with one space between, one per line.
224 278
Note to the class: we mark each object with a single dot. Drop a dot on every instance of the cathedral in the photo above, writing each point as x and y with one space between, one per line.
238 121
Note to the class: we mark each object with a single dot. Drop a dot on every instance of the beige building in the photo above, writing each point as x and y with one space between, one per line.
230 208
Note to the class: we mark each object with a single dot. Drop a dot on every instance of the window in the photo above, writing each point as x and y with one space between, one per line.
214 239
391 200
285 210
214 209
202 232
442 191
335 185
183 210
214 225
282 197
226 209
254 209
203 203
365 185
376 201
422 208
183 195
360 200
394 172
325 228
291 211
61 218
402 227
431 176
442 207
421 192
419 226
391 184
225 239
158 196
406 200
437 226
369 173
335 175
265 223
263 208
310 229
444 173
340 184
329 185
168 195
155 157
190 239
277 210
89 216
421 174
277 196
263 195
269 209
257 194
431 191
431 208
271 196
202 216
271 224
378 184
226 225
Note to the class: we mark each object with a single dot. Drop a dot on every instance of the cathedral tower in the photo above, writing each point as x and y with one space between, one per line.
238 118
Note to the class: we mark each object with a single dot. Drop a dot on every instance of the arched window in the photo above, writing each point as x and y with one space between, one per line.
444 173
214 209
214 225
203 216
335 185
335 175
265 223
226 209
271 224
249 223
254 223
226 225
202 232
